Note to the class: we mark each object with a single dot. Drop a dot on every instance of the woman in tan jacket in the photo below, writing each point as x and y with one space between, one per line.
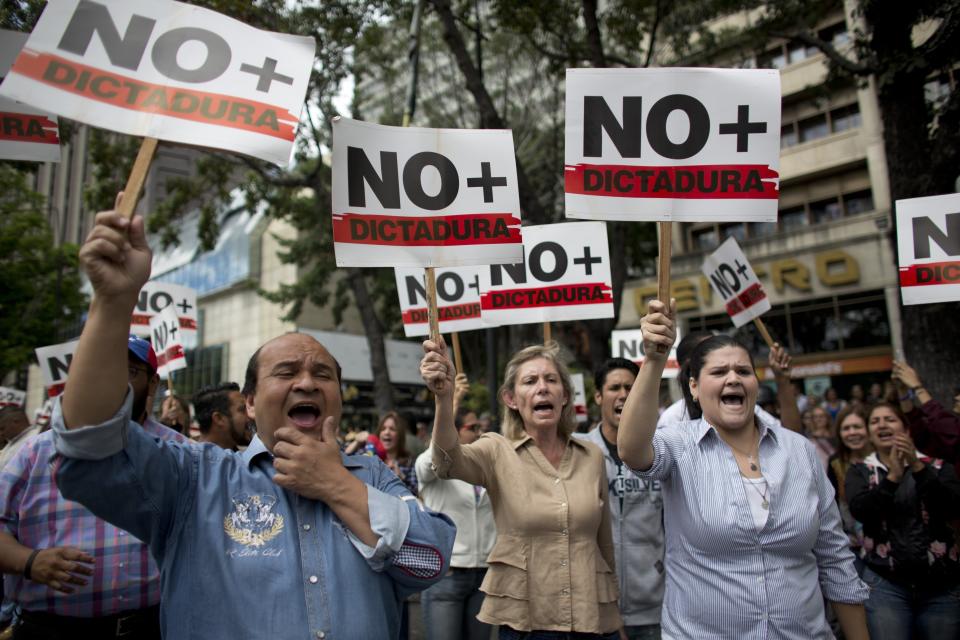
550 570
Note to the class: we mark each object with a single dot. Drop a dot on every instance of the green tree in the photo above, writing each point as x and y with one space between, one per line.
41 289
901 47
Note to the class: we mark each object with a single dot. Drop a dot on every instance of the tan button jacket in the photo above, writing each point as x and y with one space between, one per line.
551 567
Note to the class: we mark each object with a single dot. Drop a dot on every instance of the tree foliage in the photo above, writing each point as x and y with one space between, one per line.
41 282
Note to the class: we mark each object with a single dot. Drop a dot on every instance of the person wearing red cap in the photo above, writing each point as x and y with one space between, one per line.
71 573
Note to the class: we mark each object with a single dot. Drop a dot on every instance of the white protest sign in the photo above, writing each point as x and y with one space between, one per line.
154 298
579 397
565 276
672 144
42 415
165 337
25 133
167 70
12 397
411 197
54 361
734 280
458 299
928 249
628 343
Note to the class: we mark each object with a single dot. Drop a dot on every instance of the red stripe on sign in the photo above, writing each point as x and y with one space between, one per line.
448 313
922 275
746 299
56 389
427 231
25 127
555 296
143 320
176 102
188 323
713 181
173 353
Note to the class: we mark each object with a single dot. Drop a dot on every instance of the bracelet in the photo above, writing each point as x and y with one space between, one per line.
27 567
916 388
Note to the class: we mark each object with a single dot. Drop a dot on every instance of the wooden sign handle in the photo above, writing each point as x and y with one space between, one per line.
547 333
663 267
138 175
762 328
457 357
431 278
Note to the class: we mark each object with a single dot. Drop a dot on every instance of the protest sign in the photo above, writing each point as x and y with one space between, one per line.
672 144
928 249
412 197
166 339
579 397
25 133
157 296
458 300
565 276
12 397
166 70
54 361
628 343
734 280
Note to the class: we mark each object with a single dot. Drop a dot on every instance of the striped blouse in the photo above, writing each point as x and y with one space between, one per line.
725 578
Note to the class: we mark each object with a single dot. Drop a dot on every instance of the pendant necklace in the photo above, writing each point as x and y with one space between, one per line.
751 459
763 494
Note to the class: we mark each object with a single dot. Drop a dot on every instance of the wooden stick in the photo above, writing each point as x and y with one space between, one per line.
762 328
663 267
457 357
432 304
138 175
547 333
170 383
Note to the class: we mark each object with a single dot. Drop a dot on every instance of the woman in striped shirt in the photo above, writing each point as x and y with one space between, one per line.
754 541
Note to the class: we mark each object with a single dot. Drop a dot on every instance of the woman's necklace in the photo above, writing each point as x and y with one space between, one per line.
763 495
751 458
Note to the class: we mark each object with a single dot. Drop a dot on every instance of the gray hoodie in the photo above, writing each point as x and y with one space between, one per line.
636 507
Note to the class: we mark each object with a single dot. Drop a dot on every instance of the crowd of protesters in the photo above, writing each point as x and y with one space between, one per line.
738 511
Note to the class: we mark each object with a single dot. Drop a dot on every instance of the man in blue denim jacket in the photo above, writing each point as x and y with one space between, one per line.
289 539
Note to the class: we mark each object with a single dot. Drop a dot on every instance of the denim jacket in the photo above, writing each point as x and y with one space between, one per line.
241 557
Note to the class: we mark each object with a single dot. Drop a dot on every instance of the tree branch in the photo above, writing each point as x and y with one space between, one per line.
941 47
837 58
533 210
594 43
657 15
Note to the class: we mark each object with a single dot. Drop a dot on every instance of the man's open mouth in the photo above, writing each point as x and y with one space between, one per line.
304 414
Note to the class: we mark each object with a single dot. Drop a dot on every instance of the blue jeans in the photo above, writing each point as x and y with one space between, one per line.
901 613
450 607
506 633
645 632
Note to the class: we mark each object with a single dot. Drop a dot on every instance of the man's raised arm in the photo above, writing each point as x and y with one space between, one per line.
116 258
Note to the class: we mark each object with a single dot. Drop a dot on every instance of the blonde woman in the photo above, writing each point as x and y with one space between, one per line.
550 569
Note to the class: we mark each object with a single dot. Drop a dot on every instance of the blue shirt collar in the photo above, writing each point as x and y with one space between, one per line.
766 428
257 449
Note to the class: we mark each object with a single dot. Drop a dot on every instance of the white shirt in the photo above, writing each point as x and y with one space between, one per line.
468 506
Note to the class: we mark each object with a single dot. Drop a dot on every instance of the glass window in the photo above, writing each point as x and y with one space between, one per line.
825 210
761 229
813 128
845 118
788 135
704 239
863 323
773 59
737 230
814 328
793 218
859 202
798 52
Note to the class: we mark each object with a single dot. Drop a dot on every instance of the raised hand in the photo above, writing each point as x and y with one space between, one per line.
116 256
61 567
779 360
307 466
659 329
437 369
905 374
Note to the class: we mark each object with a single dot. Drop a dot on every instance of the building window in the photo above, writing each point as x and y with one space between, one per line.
820 125
708 236
792 52
205 367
